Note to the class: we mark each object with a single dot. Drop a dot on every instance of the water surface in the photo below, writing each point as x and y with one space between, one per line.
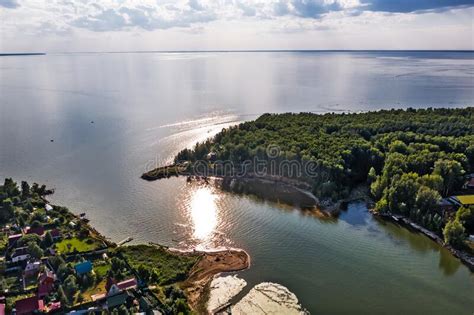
112 116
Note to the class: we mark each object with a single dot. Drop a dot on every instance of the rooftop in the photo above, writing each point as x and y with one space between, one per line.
466 200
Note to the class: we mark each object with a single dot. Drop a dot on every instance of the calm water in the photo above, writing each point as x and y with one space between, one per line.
145 107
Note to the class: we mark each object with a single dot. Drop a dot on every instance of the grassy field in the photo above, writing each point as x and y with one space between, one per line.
74 244
170 267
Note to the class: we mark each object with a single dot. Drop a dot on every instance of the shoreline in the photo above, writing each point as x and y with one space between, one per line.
211 263
465 258
325 207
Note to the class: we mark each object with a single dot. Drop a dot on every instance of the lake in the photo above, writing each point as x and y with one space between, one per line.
114 115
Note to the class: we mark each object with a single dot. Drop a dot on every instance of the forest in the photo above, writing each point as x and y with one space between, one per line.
410 158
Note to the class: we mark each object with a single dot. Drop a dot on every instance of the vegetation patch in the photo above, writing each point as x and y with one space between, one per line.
158 265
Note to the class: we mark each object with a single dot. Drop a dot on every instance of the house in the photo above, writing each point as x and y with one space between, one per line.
115 288
469 184
39 230
48 207
52 307
55 234
118 299
20 254
29 305
445 207
465 200
83 268
12 239
46 283
32 268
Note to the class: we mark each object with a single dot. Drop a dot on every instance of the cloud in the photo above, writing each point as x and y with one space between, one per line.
11 4
407 6
62 16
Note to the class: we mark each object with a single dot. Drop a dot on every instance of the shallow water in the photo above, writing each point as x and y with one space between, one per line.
145 107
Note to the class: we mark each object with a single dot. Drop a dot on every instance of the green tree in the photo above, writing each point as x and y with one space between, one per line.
70 286
452 173
454 234
465 215
122 310
427 199
35 250
25 190
372 176
7 210
62 296
432 181
48 239
25 240
143 272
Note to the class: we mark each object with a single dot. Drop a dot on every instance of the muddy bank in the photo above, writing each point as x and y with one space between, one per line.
198 282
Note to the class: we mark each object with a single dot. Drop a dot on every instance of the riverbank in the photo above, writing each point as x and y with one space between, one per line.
464 257
196 286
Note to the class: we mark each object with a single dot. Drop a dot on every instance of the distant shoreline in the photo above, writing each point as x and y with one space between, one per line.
21 54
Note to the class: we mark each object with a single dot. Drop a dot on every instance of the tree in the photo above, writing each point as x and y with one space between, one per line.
11 188
62 296
7 210
452 173
35 250
465 215
70 286
25 190
372 176
25 240
427 199
401 195
122 310
432 181
454 234
48 240
143 272
398 146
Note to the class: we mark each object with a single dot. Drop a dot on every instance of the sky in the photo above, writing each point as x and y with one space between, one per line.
136 25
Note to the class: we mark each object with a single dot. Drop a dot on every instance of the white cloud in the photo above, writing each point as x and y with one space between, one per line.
238 24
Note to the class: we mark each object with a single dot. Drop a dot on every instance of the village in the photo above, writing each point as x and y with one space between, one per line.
54 262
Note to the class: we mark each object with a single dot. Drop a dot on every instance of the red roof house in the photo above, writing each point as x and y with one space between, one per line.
55 234
116 288
46 283
29 305
34 230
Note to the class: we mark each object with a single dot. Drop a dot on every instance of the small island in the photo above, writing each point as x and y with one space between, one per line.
54 261
413 166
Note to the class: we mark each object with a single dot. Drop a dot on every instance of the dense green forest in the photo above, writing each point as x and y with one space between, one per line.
411 158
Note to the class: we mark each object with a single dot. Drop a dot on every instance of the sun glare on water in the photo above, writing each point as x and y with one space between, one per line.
203 212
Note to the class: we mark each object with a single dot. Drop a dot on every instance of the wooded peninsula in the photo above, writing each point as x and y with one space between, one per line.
416 164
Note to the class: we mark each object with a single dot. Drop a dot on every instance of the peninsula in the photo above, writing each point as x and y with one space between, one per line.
415 164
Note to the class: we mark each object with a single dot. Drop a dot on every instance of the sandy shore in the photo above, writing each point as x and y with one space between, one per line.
269 298
222 289
212 263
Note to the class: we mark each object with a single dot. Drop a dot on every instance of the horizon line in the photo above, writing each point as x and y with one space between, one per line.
235 51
